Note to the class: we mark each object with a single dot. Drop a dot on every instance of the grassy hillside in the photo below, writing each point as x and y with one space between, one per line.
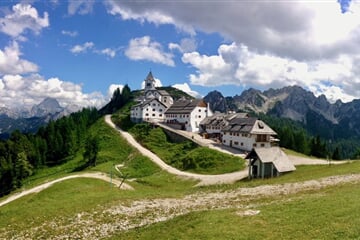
61 201
186 155
113 150
174 92
91 209
71 207
329 214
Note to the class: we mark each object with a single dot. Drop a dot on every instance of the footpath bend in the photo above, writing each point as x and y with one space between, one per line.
203 179
96 175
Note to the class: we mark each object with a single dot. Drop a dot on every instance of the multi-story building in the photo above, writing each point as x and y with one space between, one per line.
187 114
248 133
152 104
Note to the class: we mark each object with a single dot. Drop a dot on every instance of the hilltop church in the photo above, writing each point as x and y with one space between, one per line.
159 106
152 105
237 130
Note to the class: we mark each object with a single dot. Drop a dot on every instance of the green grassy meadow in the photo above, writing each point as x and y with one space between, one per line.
186 155
329 213
332 213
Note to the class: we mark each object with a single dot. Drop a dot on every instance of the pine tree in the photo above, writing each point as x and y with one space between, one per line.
91 150
336 154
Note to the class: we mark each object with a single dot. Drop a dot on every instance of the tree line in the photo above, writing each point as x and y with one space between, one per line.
293 135
23 154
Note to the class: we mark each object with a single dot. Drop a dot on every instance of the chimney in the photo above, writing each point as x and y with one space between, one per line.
209 112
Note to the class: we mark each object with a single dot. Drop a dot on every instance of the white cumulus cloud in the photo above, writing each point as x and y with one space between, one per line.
336 78
145 49
297 29
186 45
80 6
11 63
107 52
23 17
275 43
151 15
33 89
112 89
82 48
186 88
70 33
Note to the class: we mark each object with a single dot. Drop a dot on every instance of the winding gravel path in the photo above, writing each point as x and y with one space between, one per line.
109 220
204 179
96 175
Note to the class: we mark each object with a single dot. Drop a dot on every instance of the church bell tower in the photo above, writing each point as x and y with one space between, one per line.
149 82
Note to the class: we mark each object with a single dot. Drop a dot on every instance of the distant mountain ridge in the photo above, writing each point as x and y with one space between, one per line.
29 121
333 120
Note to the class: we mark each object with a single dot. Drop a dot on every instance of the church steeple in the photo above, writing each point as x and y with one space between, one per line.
149 82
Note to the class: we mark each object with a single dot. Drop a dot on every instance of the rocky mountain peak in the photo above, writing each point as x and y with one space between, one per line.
46 107
217 101
292 102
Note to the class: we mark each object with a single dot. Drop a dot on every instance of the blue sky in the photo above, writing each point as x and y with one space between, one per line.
79 51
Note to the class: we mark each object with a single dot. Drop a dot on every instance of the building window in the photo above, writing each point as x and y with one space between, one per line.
224 141
147 114
154 104
241 144
160 115
199 116
153 114
199 110
147 109
262 145
254 145
236 143
160 110
154 110
261 138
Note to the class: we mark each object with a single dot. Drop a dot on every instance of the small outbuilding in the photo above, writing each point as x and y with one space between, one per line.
268 162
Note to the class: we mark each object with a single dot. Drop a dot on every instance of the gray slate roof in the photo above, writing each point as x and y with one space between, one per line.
163 93
273 155
150 77
144 103
248 125
222 119
184 106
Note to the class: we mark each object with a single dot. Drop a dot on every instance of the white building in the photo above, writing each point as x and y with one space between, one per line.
152 105
248 133
151 110
187 114
268 162
211 126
